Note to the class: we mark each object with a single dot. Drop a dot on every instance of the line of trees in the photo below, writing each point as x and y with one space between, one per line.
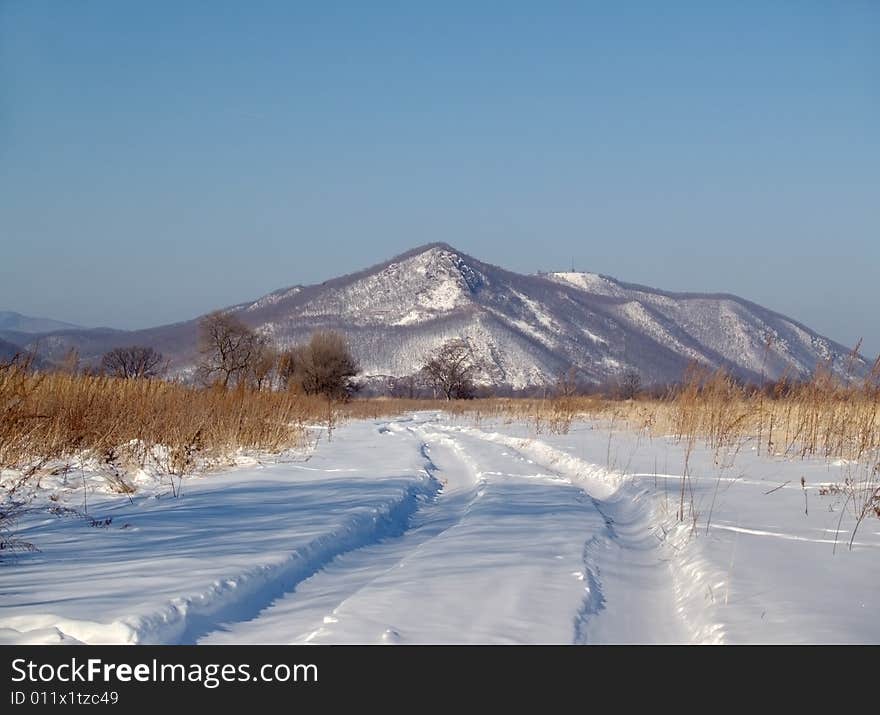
455 372
232 354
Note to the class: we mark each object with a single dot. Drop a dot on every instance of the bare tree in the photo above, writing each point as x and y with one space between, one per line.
229 349
406 387
453 371
264 367
630 385
323 366
567 383
286 366
132 362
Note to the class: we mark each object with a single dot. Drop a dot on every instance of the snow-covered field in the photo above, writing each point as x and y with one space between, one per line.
431 529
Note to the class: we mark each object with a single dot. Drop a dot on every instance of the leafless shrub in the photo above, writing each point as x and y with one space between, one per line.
453 370
264 368
567 383
229 349
133 362
629 385
408 387
323 366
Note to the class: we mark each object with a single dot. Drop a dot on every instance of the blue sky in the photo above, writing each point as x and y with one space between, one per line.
161 159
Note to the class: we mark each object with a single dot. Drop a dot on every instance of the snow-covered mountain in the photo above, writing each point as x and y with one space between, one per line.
527 328
530 328
736 331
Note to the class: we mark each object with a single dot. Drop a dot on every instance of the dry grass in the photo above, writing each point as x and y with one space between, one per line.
52 422
45 418
54 417
49 417
825 417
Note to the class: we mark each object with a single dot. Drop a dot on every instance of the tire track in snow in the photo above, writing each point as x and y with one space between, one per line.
312 599
631 590
593 600
625 592
447 515
237 603
443 514
478 563
187 619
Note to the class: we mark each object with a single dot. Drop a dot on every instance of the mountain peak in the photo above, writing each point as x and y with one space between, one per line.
440 262
436 248
433 247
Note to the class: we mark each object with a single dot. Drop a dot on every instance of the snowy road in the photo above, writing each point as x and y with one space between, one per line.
422 529
469 570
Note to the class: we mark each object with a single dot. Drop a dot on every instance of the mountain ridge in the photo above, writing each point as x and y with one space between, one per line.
13 321
527 328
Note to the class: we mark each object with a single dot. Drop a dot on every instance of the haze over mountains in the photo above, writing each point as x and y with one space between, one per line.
17 330
526 328
17 322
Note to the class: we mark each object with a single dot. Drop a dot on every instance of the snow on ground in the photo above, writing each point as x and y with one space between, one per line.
757 567
431 529
166 569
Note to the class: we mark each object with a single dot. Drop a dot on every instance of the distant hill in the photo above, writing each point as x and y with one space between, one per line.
17 322
8 350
